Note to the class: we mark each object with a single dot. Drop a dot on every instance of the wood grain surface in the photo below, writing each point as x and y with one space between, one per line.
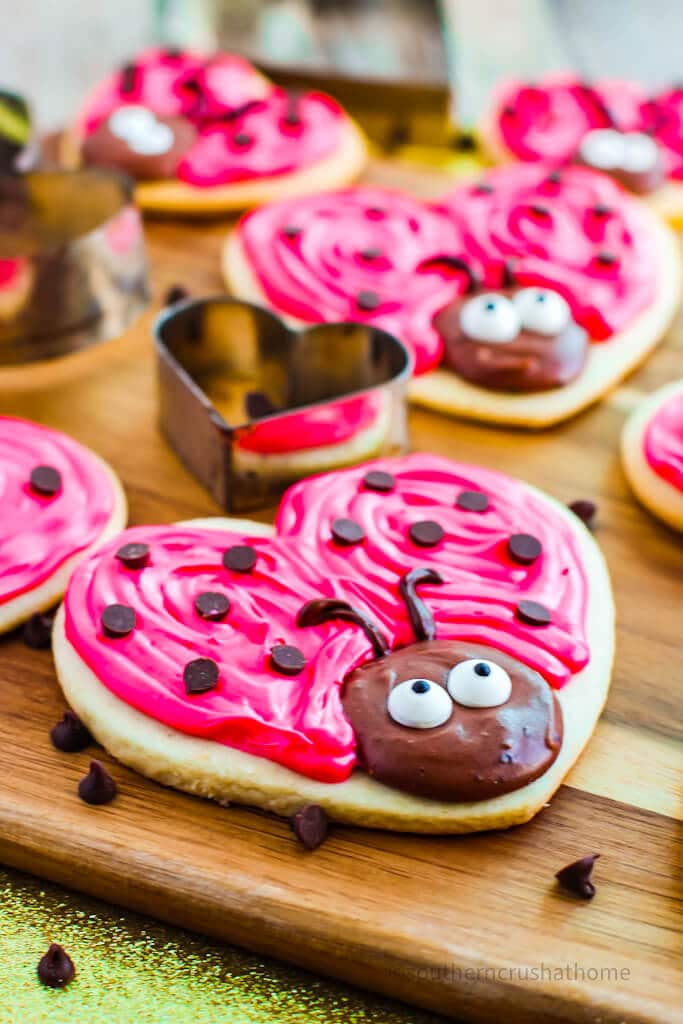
472 927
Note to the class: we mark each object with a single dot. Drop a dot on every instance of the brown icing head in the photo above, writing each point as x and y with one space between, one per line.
518 339
135 140
634 159
471 753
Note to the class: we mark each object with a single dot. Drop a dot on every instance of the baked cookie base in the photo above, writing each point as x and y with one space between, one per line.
658 495
608 362
209 769
50 591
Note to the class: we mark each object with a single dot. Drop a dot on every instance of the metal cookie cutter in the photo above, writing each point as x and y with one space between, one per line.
73 270
250 405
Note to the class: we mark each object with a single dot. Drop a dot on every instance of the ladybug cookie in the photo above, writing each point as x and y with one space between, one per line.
205 134
612 126
524 296
652 453
417 644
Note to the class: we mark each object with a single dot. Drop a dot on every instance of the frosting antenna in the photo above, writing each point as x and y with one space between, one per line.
421 618
315 613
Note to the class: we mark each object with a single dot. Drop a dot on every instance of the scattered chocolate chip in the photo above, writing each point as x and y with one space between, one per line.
97 787
129 78
46 480
310 826
287 659
212 605
554 178
576 877
241 139
533 613
176 293
370 254
118 620
378 480
200 675
291 231
483 188
367 300
375 212
472 501
258 405
464 142
347 531
70 735
173 52
426 533
607 259
240 558
539 211
509 110
601 210
584 509
37 631
524 548
133 555
56 968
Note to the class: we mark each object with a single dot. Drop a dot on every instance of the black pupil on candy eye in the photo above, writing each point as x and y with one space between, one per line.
541 297
490 306
420 686
482 669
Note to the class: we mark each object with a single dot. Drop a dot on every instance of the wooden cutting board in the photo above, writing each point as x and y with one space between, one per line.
473 927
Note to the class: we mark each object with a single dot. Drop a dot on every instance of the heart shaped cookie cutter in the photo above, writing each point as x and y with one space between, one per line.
250 405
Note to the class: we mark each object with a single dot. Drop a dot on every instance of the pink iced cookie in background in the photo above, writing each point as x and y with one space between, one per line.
57 501
207 133
652 453
216 656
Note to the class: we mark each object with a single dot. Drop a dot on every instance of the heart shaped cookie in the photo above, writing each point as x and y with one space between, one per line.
612 126
524 296
204 134
418 644
58 500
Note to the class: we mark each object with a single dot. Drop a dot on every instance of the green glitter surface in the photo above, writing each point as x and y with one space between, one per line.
131 970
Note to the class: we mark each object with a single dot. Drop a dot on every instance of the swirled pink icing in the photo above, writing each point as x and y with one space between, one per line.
298 721
663 440
331 423
243 131
547 120
316 257
38 534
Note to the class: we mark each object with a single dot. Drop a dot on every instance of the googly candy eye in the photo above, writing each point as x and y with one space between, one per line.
419 704
542 310
479 684
603 148
157 138
641 153
130 119
490 317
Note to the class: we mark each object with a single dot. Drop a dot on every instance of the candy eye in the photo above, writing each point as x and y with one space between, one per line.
419 704
603 148
479 684
130 120
640 154
542 311
491 318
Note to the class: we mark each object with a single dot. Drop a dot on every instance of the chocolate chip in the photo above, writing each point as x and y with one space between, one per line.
607 259
173 52
584 509
483 188
97 787
347 531
367 300
258 405
46 480
70 735
310 826
37 632
287 659
56 968
370 254
129 78
472 501
375 212
426 533
524 548
212 605
240 558
575 877
464 142
601 210
378 480
539 211
241 139
118 620
554 178
291 231
200 675
133 555
176 293
533 613
509 110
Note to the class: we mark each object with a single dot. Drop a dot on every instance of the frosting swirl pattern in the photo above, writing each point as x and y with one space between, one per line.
663 441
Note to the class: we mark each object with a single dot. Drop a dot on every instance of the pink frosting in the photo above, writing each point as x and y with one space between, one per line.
332 423
39 534
298 720
228 101
663 440
547 120
548 229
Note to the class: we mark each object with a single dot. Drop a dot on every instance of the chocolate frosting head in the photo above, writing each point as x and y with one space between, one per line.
513 339
137 141
634 159
474 752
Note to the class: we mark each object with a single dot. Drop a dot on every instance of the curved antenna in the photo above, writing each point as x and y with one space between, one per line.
507 279
453 263
316 612
421 618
